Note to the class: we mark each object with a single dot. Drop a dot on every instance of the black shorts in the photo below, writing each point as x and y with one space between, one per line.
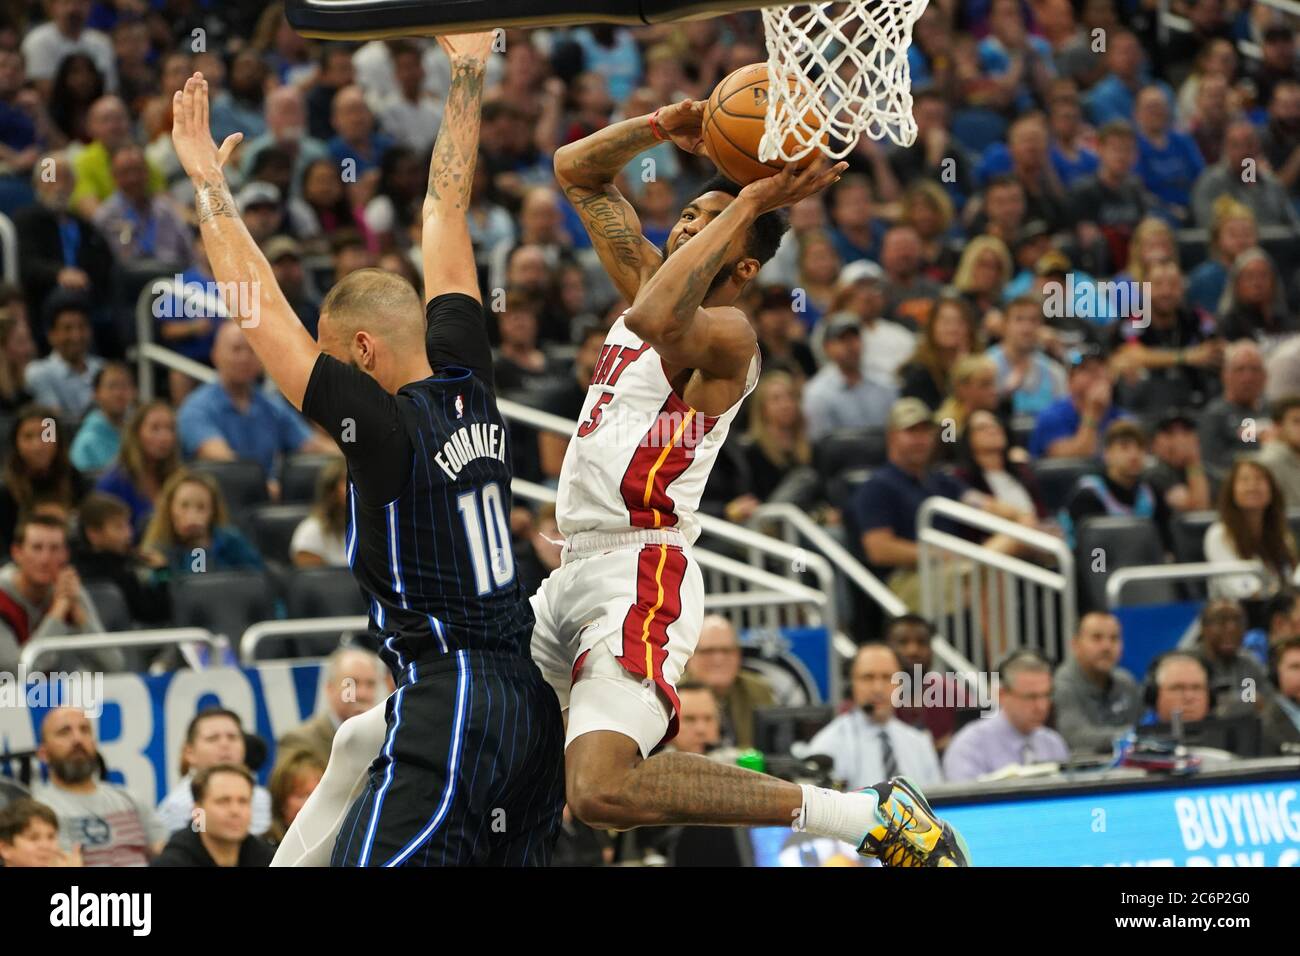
471 771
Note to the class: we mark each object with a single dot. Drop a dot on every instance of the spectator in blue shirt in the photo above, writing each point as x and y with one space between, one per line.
1022 63
190 531
1114 96
1231 234
100 433
232 418
355 138
1169 162
1071 426
65 378
1071 159
884 509
148 456
1025 373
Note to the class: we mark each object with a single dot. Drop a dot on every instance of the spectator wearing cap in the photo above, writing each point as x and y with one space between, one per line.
868 743
1017 732
222 836
839 396
1238 682
1071 426
1165 353
1031 244
57 247
1266 197
1169 161
65 379
1280 721
286 129
1235 422
884 508
779 344
1109 204
138 224
1025 373
232 419
1251 526
285 256
1178 476
909 292
356 140
1120 489
1281 456
1094 699
259 206
886 344
109 125
65 32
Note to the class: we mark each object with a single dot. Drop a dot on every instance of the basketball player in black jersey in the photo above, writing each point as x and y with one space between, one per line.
471 766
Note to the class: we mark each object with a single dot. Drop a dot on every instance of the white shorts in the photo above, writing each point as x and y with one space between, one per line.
616 624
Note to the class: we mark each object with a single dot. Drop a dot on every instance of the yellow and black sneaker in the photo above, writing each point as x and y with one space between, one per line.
909 833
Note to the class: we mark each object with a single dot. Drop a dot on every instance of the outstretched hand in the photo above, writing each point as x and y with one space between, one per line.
192 133
791 185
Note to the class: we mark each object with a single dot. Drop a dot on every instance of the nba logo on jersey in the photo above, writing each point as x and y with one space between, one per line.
460 406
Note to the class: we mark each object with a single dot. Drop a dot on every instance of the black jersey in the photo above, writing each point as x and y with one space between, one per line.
429 496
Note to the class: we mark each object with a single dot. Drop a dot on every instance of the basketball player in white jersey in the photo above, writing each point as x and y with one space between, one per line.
617 622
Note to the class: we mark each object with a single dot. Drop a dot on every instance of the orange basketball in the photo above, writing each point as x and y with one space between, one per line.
734 124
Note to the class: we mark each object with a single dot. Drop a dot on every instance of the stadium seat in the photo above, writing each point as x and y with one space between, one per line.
110 605
323 592
224 602
1057 476
848 450
298 477
1189 534
978 129
273 527
243 483
1125 542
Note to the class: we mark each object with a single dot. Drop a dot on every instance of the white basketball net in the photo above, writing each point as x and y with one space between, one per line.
837 67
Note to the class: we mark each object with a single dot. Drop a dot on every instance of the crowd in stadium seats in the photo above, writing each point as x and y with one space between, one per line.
943 321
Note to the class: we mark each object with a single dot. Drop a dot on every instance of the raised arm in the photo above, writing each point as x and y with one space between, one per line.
448 253
285 347
586 170
667 310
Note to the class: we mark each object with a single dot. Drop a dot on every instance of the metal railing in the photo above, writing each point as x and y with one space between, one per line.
297 627
987 602
37 648
1193 570
9 245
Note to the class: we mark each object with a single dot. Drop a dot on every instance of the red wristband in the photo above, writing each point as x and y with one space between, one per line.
654 126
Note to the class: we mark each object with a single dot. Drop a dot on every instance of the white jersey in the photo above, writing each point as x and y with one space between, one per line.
641 456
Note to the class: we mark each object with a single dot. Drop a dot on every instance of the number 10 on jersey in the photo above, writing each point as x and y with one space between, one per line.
488 531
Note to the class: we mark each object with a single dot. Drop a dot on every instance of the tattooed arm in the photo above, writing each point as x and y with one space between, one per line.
249 288
586 171
668 311
448 253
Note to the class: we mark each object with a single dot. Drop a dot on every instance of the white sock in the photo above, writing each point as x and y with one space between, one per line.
311 836
843 816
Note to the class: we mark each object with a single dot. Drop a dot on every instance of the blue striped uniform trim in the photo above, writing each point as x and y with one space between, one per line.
377 612
394 553
453 765
438 632
350 545
368 843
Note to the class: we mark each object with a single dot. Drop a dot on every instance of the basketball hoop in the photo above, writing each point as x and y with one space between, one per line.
839 68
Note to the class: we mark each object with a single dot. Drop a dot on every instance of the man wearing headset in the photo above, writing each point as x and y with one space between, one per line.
1017 732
